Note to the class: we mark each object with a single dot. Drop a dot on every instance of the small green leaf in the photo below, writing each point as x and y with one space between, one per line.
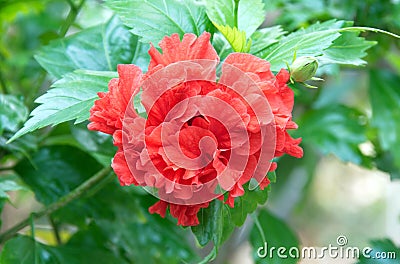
153 20
55 171
99 48
335 129
276 234
251 14
236 38
384 247
71 98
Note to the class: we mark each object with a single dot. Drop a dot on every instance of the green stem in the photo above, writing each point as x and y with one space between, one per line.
71 17
54 225
210 256
78 192
236 16
259 227
363 29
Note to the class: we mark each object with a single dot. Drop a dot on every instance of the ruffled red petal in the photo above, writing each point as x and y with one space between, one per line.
122 170
279 95
190 48
159 207
108 112
186 214
258 69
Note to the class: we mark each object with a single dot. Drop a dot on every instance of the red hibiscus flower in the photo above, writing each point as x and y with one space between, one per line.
203 136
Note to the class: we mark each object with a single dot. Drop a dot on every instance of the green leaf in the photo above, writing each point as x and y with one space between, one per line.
265 37
153 20
336 129
251 14
347 49
384 95
326 41
270 231
99 48
25 250
384 246
247 204
142 57
311 41
55 171
71 98
215 224
236 38
13 112
221 12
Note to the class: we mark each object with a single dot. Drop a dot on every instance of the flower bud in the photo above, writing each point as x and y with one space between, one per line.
303 68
